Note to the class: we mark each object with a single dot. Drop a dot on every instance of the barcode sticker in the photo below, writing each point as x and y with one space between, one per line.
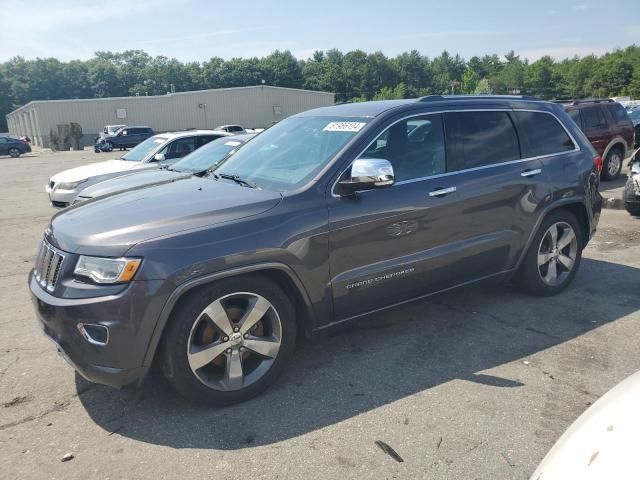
344 127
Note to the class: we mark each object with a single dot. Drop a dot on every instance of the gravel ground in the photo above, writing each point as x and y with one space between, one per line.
475 384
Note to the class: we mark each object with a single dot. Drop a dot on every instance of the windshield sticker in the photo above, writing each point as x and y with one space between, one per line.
233 144
344 127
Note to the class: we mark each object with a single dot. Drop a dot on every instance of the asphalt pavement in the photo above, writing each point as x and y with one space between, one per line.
474 384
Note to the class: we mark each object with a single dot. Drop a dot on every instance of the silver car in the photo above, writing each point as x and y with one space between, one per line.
159 150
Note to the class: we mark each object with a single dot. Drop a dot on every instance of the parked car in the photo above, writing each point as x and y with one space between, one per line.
153 153
313 223
231 129
602 442
634 116
109 130
609 129
196 163
13 147
127 137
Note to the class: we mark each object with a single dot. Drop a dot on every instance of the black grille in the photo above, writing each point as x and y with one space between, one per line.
48 266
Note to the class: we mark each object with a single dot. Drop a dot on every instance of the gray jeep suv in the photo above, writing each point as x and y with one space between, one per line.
325 217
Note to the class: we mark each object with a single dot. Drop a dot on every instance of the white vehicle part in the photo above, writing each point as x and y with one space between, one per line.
602 443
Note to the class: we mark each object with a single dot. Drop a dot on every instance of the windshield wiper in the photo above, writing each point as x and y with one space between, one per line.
235 178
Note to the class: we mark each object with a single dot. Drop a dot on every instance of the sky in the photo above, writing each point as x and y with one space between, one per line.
196 30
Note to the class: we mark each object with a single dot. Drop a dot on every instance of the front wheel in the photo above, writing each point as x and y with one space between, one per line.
554 255
229 341
14 152
612 165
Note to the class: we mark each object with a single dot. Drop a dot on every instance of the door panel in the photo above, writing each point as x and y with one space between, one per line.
405 241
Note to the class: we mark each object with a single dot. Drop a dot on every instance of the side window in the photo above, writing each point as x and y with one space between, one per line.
542 134
415 147
593 119
576 117
480 138
181 148
204 139
618 113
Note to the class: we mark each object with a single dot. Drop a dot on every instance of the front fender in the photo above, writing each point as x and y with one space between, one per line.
187 286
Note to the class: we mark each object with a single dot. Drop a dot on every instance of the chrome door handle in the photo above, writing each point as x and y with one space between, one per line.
531 173
441 192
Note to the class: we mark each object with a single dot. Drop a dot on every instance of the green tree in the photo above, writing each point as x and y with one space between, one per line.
483 88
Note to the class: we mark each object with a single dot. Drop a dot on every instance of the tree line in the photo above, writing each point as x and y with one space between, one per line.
352 76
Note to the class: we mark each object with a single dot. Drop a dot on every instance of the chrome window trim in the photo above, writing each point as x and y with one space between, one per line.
482 167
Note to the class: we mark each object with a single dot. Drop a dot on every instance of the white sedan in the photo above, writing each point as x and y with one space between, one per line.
159 150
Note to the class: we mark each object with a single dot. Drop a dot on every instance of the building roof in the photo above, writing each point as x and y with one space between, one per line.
150 97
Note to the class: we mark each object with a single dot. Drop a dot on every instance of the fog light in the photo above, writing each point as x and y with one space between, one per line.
94 334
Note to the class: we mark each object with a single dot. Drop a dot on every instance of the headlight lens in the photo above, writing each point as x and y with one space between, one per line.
70 185
107 270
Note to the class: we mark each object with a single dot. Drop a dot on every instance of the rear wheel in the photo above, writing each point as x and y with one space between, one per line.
14 152
229 341
554 255
612 164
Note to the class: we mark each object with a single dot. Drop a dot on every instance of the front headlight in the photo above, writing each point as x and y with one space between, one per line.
70 185
107 270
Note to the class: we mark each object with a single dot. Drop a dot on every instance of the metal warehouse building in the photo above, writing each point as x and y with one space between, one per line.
252 107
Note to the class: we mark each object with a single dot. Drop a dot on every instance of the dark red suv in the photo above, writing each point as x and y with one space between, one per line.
609 129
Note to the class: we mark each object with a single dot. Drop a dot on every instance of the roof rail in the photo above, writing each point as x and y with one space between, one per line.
592 100
440 98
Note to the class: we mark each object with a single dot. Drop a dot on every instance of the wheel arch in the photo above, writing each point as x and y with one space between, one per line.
575 207
617 142
280 273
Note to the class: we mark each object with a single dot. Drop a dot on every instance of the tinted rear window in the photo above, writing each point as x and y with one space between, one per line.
593 118
480 138
575 115
618 113
542 134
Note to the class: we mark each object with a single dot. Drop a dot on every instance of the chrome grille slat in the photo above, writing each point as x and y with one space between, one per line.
48 266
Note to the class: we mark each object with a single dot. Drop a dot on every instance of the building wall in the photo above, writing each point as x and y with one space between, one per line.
253 107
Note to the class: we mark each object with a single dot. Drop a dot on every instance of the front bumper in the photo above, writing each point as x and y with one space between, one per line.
61 198
120 362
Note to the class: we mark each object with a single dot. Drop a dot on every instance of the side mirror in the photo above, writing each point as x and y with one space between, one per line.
367 174
159 157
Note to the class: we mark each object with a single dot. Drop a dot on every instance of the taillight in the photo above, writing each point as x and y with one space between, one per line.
597 162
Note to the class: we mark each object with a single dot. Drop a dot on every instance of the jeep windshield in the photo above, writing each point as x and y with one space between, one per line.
142 151
290 153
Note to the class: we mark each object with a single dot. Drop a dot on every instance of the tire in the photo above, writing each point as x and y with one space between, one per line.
612 164
631 200
538 279
14 152
228 344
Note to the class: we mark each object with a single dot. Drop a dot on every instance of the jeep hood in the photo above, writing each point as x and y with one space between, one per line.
112 225
131 181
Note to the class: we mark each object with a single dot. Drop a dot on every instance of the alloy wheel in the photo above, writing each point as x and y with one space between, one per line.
557 253
234 341
614 163
14 152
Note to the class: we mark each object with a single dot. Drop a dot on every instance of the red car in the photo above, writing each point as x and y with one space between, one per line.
609 129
